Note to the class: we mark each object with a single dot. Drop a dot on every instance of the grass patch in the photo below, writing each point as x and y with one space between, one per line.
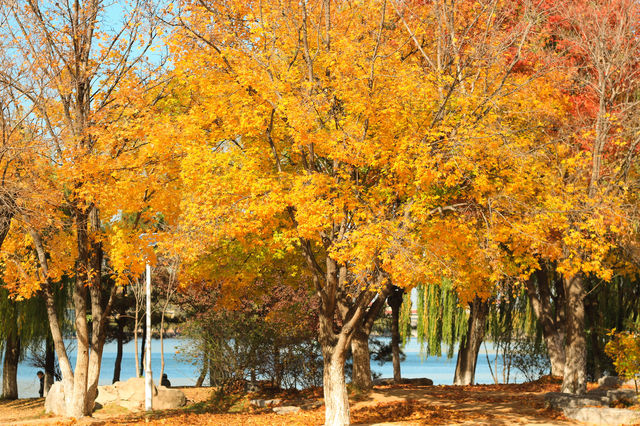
220 402
111 409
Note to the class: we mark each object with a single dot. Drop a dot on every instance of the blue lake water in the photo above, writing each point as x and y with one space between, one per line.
180 373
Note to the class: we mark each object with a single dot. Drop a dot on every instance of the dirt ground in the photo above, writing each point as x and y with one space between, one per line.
385 405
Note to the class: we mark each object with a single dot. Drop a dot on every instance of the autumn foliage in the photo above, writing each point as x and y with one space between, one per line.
335 149
624 349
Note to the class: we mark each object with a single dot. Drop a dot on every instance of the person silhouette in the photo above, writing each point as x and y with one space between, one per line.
40 375
165 381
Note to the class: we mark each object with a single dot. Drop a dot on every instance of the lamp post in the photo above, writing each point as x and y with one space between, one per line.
148 375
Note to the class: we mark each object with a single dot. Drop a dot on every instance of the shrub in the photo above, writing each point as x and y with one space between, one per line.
269 337
624 349
530 358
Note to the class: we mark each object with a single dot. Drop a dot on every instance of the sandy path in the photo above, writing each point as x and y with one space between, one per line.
21 410
391 405
478 405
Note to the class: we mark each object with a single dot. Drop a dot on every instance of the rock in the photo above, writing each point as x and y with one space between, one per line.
128 394
106 395
561 401
420 381
132 389
609 381
622 394
131 395
311 405
603 415
423 381
261 403
168 398
289 409
54 403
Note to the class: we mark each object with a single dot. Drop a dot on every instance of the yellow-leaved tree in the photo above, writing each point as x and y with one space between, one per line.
368 136
83 73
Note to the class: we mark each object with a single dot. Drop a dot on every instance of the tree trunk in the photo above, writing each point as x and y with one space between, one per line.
352 313
361 376
95 364
596 354
203 371
117 366
555 350
144 342
99 313
277 368
49 365
80 386
10 365
470 346
54 324
78 405
395 302
136 324
361 357
212 376
336 398
164 309
574 380
12 349
552 327
81 371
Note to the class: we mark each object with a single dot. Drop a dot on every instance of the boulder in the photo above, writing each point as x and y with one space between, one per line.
132 389
289 409
609 381
560 401
106 395
615 395
594 407
54 403
261 403
311 405
130 394
603 415
420 381
167 399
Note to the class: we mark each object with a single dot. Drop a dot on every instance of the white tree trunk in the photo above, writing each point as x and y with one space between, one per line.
336 398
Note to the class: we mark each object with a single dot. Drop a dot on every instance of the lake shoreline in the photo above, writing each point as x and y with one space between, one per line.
183 373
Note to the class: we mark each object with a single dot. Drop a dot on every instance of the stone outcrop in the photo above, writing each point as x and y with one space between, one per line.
421 381
289 409
603 415
609 381
262 403
168 399
595 406
54 403
560 401
130 395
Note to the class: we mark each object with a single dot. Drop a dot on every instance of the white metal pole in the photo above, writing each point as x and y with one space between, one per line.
148 378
